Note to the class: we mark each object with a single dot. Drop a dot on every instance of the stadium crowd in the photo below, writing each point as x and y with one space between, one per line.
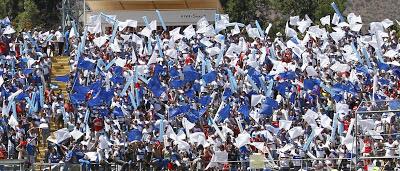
199 96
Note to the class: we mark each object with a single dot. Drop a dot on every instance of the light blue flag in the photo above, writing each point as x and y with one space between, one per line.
259 29
77 56
75 28
161 20
135 80
323 86
36 102
99 64
356 52
220 55
32 40
161 137
14 110
269 89
41 91
203 66
149 46
366 54
12 66
208 65
309 140
9 106
114 32
143 79
379 55
232 80
133 100
87 115
25 48
137 97
253 53
48 39
253 84
84 37
160 48
65 116
112 62
334 127
216 17
28 100
340 128
81 45
263 86
272 51
135 76
108 19
31 102
337 11
126 86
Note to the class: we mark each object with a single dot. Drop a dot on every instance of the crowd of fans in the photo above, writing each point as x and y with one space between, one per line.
204 97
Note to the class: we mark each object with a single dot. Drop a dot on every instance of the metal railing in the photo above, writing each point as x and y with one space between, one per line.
276 164
368 110
12 164
92 166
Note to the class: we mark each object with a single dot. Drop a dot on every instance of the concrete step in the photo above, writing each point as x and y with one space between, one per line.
61 66
61 58
61 71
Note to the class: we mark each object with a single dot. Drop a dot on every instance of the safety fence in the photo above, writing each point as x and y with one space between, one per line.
344 164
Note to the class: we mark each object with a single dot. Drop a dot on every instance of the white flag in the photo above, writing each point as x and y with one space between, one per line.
235 30
153 25
267 29
335 19
285 124
326 20
295 132
189 32
218 157
145 32
289 31
242 139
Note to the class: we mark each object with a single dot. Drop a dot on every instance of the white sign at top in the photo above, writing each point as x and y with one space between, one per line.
171 18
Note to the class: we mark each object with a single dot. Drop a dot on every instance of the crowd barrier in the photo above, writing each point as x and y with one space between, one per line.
11 165
344 164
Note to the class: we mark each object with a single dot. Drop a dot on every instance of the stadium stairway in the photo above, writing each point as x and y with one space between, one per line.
60 67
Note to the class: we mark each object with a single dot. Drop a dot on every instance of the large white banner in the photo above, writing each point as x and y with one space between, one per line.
171 17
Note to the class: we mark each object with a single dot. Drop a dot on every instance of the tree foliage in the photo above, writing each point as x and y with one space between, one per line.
244 11
26 14
278 12
29 17
315 9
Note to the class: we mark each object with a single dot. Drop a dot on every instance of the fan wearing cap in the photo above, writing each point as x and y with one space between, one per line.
21 148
